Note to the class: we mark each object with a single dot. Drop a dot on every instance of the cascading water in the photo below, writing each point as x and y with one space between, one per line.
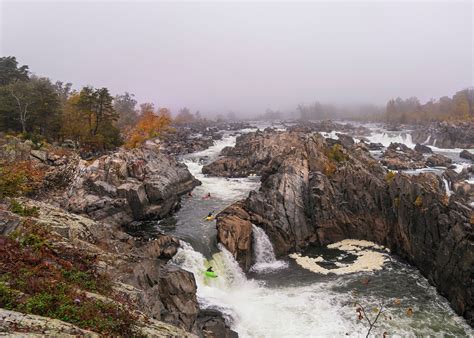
385 138
292 301
446 187
264 256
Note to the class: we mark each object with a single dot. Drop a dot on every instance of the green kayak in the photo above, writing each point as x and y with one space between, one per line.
210 274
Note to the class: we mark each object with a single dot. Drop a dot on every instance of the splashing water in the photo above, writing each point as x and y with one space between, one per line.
264 256
292 301
446 187
385 138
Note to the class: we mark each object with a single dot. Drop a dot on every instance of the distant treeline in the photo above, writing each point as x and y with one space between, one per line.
320 111
459 107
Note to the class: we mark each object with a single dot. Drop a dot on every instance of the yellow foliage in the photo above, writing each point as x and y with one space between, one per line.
390 176
329 169
19 178
418 202
149 125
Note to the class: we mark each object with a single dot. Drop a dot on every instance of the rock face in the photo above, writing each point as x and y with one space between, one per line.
423 149
398 156
235 232
139 268
446 135
438 160
129 185
467 155
251 153
315 193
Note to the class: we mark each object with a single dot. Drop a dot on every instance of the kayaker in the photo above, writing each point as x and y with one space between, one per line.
209 215
208 196
210 269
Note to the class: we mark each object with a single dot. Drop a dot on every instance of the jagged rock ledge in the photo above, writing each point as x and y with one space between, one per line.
312 192
129 185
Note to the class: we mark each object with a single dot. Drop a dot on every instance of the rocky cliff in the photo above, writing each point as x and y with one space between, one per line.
156 291
313 192
102 197
446 135
129 185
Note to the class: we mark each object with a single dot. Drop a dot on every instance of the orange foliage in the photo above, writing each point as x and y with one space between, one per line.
149 125
19 178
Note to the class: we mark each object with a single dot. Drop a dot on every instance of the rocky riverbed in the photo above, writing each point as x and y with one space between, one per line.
91 210
315 193
321 183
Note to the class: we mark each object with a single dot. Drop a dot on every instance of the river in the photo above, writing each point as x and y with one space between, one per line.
280 298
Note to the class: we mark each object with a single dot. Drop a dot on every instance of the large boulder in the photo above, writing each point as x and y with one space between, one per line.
438 160
467 155
129 185
423 149
234 230
398 156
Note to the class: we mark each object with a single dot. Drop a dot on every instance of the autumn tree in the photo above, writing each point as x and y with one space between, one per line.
149 125
73 121
96 107
184 116
125 106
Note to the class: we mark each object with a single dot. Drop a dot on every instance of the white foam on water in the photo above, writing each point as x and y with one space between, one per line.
257 311
226 189
385 138
265 260
332 134
461 166
367 258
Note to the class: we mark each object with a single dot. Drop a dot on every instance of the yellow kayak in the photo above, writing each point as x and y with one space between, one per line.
209 218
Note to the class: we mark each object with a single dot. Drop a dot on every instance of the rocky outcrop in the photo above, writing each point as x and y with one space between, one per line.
438 160
327 126
129 185
423 149
235 232
446 135
322 194
398 156
251 154
139 269
467 155
17 324
212 325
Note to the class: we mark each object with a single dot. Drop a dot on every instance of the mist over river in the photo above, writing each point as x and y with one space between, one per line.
281 297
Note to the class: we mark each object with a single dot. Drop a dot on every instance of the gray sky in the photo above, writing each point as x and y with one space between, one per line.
247 56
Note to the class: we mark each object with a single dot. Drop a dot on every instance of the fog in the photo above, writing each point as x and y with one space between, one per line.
247 57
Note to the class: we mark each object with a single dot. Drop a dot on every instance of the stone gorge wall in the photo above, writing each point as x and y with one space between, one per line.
315 193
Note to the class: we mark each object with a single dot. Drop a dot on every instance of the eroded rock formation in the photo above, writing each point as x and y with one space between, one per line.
315 193
446 135
129 185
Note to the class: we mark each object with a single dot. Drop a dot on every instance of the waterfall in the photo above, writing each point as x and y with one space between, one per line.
265 260
427 139
446 187
386 138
